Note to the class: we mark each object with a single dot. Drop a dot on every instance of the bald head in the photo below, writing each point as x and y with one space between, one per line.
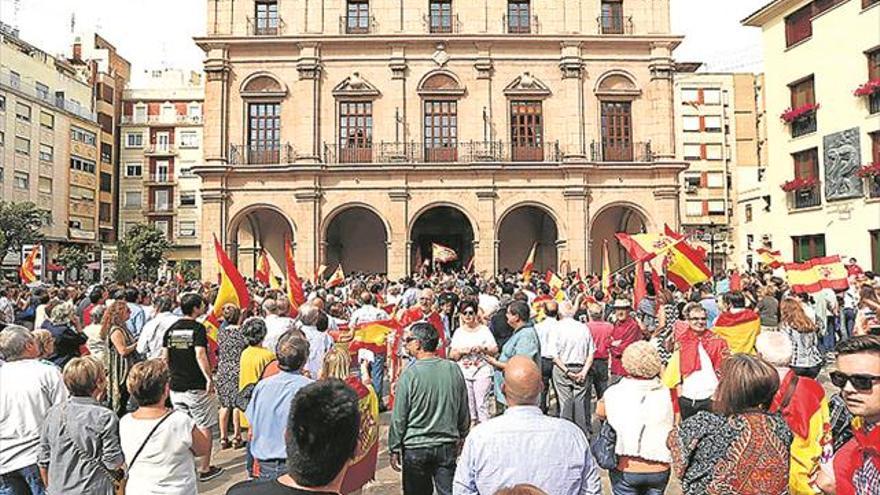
522 382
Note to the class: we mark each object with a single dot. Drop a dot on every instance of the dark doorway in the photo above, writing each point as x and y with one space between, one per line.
442 225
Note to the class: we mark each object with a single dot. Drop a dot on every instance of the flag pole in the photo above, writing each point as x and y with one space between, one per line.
649 258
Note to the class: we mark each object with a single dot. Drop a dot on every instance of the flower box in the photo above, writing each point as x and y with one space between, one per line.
870 170
868 88
793 114
799 184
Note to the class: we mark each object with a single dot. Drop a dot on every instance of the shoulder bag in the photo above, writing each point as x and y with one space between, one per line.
603 446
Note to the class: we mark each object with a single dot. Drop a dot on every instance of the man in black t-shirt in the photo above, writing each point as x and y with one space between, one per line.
322 433
185 348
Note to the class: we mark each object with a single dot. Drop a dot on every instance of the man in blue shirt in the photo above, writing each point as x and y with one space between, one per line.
270 405
137 318
523 342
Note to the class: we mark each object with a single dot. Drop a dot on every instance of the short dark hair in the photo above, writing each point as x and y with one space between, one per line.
468 304
735 299
746 382
322 431
426 334
189 302
96 294
292 351
858 345
131 294
321 321
163 304
520 309
254 330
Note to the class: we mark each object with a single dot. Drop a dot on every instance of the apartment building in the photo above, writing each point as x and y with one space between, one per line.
717 134
365 132
48 142
161 130
822 90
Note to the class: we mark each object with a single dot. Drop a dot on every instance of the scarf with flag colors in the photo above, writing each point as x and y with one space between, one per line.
773 259
262 274
740 329
686 360
361 468
529 265
443 254
232 290
28 272
295 293
816 274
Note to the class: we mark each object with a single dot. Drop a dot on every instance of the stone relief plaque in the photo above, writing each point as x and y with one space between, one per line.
842 160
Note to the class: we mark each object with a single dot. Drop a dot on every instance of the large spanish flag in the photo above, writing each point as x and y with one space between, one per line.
441 253
233 290
263 273
555 282
361 468
295 293
28 272
685 267
739 329
816 274
529 265
373 336
773 259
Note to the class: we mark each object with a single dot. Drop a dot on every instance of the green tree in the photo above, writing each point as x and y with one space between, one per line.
124 269
144 248
20 224
73 259
191 270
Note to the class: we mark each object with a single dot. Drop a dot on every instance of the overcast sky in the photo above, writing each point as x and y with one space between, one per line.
158 33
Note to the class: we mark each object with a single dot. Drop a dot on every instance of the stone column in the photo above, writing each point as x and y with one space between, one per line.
660 94
572 143
575 202
398 242
309 68
485 252
307 218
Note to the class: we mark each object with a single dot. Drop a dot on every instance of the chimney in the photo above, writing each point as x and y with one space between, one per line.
77 49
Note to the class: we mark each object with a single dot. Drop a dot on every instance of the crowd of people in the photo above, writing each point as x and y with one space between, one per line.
494 384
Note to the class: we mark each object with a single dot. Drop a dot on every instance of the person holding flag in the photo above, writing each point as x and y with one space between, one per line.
736 324
27 272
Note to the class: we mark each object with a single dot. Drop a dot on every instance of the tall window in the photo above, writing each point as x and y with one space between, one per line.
441 130
617 143
266 17
526 131
873 182
264 133
873 75
357 16
807 247
803 93
440 16
611 21
799 25
355 131
518 16
806 166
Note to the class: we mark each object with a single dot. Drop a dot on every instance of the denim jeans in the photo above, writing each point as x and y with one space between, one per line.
425 466
828 340
377 373
22 481
849 322
271 469
623 483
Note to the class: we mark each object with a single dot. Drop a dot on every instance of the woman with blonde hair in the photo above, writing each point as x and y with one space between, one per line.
121 354
806 360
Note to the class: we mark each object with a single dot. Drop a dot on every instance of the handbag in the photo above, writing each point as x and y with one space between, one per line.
603 446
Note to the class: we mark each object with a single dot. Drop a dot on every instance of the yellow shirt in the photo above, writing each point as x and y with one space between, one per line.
254 360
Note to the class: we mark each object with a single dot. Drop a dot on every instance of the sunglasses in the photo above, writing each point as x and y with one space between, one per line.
468 313
698 319
862 383
409 339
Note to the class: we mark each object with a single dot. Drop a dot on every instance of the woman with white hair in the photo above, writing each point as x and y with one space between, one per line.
63 328
801 401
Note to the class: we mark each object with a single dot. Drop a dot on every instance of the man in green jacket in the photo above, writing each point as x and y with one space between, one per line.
430 417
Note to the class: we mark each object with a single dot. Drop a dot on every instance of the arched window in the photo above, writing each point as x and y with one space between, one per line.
262 94
440 91
616 91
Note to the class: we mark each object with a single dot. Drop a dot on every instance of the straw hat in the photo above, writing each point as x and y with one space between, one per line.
642 360
621 304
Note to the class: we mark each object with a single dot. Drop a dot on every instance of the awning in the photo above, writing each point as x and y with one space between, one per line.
52 267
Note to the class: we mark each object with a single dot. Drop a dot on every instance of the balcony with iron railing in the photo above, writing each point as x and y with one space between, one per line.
269 26
350 24
803 125
47 97
163 208
628 152
807 197
460 152
272 154
159 179
160 150
872 186
520 24
441 23
161 119
614 24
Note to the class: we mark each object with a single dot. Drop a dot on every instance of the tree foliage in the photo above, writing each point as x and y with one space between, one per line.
73 259
20 224
141 253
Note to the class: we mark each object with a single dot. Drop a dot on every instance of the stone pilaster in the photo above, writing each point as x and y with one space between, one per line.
399 247
485 251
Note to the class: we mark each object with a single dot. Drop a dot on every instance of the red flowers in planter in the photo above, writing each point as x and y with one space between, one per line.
795 113
868 88
870 170
799 183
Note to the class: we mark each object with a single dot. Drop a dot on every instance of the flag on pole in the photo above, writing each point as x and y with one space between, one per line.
685 266
555 282
28 272
319 272
773 259
606 268
295 293
470 266
816 274
529 265
262 274
441 253
233 290
337 278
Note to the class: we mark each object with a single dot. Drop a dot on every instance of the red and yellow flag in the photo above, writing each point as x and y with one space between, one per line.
443 254
361 468
372 336
773 259
295 293
685 267
27 272
233 289
816 274
555 283
263 272
739 329
529 265
319 272
337 278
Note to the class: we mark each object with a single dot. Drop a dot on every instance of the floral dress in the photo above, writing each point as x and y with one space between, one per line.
231 344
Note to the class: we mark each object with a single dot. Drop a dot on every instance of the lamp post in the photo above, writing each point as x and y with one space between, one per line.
712 253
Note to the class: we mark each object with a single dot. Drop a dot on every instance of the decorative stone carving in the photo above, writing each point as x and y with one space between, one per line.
355 86
842 160
527 85
440 57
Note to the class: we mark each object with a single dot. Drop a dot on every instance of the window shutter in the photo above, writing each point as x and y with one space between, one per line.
704 179
874 65
875 145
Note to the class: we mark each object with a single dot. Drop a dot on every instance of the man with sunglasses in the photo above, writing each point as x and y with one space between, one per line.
855 468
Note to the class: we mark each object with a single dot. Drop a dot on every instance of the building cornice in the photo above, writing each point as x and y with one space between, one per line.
771 11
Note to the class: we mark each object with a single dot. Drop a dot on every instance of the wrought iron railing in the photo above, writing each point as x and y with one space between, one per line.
441 24
271 154
269 26
614 24
630 152
805 124
460 152
807 197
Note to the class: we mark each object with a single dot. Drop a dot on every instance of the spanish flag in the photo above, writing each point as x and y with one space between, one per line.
739 329
606 268
441 253
555 283
373 336
773 259
361 468
685 267
262 274
233 290
337 278
27 272
295 293
817 274
529 265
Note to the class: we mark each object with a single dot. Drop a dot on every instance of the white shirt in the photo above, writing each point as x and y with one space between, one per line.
28 388
572 342
366 314
700 384
473 366
319 344
640 411
546 331
149 342
166 465
276 326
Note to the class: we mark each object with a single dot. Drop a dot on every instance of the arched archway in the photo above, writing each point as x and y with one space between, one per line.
520 229
609 221
444 225
259 228
356 237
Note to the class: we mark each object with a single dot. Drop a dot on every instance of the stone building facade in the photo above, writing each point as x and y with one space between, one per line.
366 131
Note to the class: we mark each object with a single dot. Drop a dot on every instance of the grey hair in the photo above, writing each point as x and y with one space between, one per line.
308 315
270 306
566 309
97 313
775 348
14 340
254 330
